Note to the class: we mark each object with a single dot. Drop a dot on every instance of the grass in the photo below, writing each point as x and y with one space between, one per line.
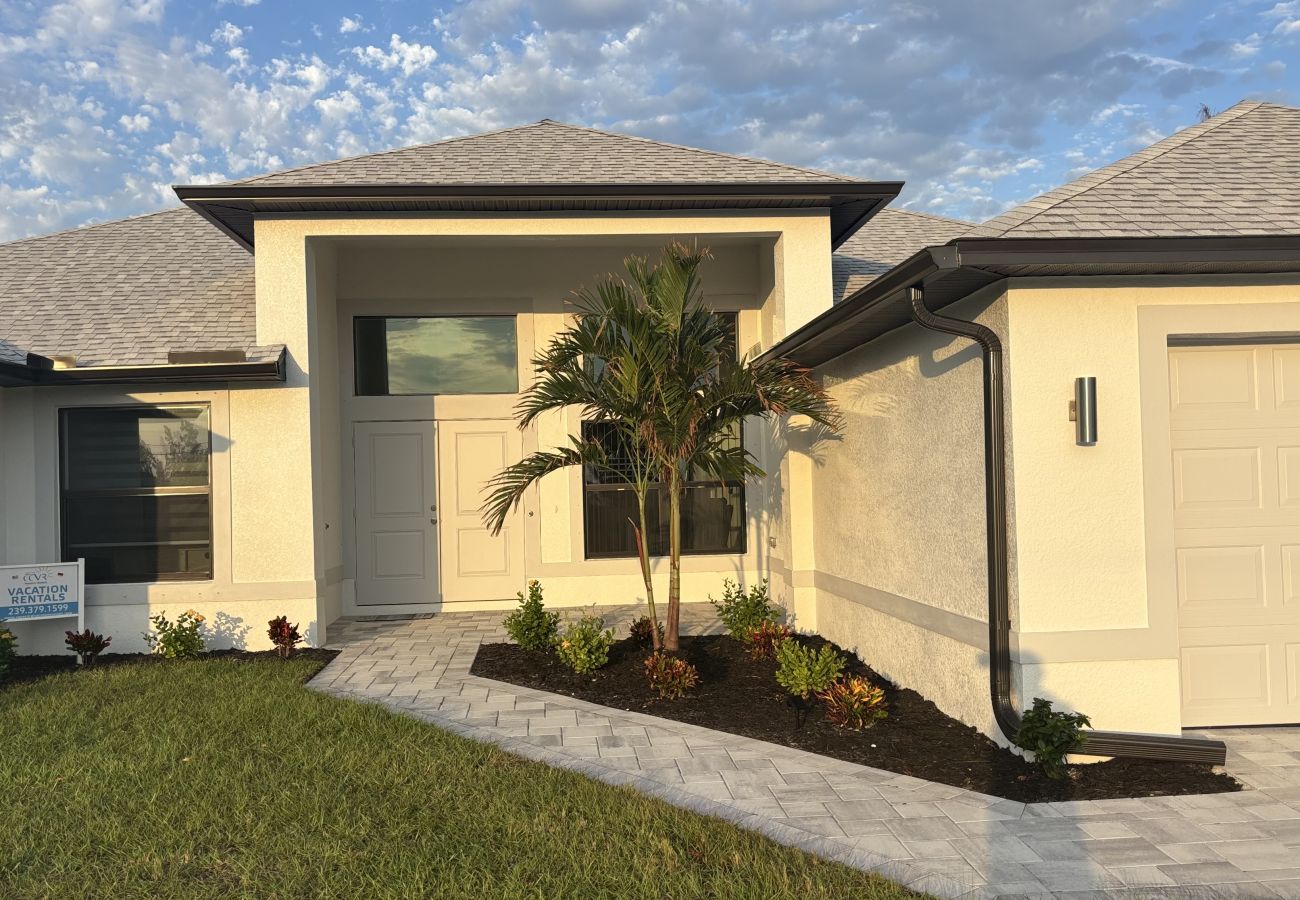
218 778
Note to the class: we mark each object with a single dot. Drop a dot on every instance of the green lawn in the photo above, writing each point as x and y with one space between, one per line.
225 779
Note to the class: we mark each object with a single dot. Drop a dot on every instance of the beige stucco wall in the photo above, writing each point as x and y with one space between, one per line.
775 270
259 568
899 565
897 512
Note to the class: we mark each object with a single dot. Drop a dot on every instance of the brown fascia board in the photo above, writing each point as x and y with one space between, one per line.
210 200
990 255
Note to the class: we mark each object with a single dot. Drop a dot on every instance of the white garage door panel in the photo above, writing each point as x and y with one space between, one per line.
1235 438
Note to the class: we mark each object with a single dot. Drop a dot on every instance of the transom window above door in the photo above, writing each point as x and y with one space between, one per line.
413 355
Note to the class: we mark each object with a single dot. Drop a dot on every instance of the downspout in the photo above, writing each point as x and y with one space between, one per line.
1099 743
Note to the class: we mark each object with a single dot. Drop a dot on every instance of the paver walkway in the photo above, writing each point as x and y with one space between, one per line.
928 836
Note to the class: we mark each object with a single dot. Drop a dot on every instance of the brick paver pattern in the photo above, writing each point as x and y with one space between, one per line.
931 837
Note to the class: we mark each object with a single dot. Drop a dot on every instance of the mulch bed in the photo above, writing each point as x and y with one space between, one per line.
34 668
740 696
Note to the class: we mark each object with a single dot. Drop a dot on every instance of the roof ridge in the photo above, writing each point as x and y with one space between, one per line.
704 150
77 229
928 215
388 152
1122 166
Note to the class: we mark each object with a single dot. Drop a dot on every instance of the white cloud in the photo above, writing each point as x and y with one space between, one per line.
409 57
135 123
349 25
228 34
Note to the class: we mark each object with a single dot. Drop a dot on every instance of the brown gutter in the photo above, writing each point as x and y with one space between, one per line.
37 373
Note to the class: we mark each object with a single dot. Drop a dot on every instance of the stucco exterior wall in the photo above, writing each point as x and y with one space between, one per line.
258 571
527 266
897 512
1098 622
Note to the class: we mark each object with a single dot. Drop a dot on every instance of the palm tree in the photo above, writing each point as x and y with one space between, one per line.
649 359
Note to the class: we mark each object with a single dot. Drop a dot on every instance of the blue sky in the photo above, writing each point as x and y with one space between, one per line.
977 104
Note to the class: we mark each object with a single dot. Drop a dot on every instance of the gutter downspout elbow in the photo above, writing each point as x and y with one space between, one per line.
1100 743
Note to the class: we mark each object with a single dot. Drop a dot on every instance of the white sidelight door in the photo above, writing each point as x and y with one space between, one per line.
1235 436
476 564
396 513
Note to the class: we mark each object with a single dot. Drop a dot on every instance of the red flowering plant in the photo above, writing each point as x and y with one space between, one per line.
283 635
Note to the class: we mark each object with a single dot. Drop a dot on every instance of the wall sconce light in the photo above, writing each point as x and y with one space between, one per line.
1083 411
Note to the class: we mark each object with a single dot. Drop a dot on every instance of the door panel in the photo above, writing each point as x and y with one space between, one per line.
477 564
1235 434
397 560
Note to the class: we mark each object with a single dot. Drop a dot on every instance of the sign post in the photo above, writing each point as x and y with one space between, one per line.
36 592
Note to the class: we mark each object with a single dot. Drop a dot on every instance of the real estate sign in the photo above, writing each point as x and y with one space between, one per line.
54 591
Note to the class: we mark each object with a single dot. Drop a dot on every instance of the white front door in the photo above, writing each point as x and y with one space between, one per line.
1235 417
476 564
396 513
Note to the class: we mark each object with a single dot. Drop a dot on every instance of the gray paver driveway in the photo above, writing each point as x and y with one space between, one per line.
928 836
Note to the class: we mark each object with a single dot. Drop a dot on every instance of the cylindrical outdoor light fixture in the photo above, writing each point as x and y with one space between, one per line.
1085 411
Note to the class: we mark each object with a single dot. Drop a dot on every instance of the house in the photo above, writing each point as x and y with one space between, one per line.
284 398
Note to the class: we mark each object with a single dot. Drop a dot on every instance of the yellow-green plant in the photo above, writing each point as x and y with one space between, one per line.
584 645
802 672
182 639
853 702
742 611
531 626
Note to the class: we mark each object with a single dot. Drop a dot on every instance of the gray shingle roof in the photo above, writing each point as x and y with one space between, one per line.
890 237
126 292
544 152
1236 173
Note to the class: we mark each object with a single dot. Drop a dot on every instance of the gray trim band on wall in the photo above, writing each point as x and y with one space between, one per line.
1099 743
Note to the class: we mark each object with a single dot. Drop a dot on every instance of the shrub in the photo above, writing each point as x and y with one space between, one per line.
531 626
671 676
584 646
283 635
642 631
182 639
853 702
8 648
802 672
764 639
86 644
1051 735
742 611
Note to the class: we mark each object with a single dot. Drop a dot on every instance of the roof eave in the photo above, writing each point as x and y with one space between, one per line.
231 207
994 259
32 374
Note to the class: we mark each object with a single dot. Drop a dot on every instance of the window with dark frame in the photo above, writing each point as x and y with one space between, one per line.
422 355
713 512
136 492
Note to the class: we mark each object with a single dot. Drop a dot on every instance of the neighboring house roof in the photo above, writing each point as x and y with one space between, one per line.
127 292
1237 173
545 152
891 236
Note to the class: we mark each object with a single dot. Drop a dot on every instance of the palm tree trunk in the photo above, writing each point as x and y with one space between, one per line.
643 553
673 625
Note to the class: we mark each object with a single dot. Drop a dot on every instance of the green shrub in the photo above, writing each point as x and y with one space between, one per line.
1051 735
284 637
182 639
743 611
8 648
802 672
86 644
853 702
670 676
642 631
584 646
764 639
531 626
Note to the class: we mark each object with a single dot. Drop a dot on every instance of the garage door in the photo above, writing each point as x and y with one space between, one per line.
1235 420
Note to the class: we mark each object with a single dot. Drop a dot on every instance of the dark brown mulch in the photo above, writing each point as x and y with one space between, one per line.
741 696
34 668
